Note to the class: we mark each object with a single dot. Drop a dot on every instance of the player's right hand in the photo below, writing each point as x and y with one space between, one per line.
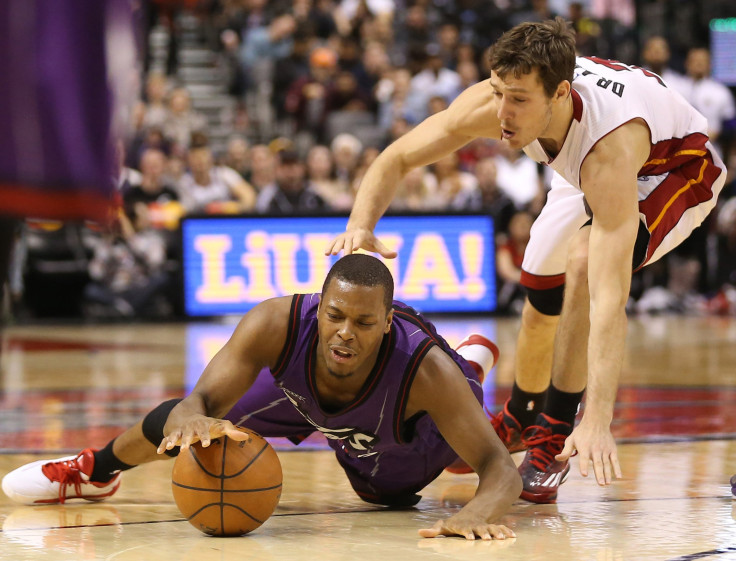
199 428
469 531
358 238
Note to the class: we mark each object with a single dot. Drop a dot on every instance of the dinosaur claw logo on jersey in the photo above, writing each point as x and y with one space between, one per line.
292 395
353 440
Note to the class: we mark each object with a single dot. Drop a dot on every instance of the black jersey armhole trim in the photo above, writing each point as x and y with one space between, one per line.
416 359
291 336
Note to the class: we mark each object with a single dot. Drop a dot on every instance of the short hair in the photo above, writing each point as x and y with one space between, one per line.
362 270
548 46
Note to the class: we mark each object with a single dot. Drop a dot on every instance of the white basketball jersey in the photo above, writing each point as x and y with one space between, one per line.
678 185
607 94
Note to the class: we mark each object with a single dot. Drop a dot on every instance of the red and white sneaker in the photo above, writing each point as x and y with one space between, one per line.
541 473
508 429
56 481
480 352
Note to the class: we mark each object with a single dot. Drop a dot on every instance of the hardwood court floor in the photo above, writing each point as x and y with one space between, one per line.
64 388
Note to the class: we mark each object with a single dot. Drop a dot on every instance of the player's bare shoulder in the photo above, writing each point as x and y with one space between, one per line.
263 330
473 112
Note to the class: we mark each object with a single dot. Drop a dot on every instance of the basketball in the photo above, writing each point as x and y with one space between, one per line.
229 488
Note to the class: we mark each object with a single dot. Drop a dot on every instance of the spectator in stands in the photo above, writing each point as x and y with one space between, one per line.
436 104
376 65
415 192
211 189
587 30
291 68
469 74
655 56
237 155
518 176
414 35
317 17
433 80
305 100
345 95
155 108
492 199
351 15
476 150
182 121
262 45
509 256
711 98
456 189
448 38
399 127
322 178
290 194
154 204
262 167
346 150
392 94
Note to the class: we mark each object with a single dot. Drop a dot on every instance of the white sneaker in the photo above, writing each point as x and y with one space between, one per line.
55 481
480 352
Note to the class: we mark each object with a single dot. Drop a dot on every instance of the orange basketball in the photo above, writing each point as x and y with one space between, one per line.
229 488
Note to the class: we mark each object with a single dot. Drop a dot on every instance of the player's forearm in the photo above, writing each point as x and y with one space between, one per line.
499 485
377 190
609 281
606 347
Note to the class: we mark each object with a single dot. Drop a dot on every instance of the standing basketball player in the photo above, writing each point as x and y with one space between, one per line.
396 403
635 173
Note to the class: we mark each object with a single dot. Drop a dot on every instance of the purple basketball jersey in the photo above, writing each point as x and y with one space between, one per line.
382 453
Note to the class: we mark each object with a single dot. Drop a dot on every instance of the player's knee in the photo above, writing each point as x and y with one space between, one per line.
577 264
154 422
547 302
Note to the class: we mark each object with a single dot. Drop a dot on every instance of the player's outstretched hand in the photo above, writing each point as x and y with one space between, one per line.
199 428
358 238
594 442
467 529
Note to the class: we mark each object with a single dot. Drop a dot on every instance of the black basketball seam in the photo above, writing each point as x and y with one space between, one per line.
222 485
222 526
222 475
265 445
226 490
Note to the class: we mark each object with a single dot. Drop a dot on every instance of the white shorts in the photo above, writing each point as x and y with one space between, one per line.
671 206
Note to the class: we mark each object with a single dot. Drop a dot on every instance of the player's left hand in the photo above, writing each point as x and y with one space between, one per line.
594 442
469 529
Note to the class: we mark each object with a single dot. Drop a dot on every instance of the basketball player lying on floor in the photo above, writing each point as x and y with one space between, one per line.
396 403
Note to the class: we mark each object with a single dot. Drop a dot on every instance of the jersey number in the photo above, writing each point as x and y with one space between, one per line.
621 67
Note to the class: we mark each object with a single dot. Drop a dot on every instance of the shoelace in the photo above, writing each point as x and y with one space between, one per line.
67 473
500 427
543 445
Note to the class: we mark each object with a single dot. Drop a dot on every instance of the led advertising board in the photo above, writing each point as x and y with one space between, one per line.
445 263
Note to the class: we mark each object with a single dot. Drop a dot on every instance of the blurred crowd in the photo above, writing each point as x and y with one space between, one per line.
277 107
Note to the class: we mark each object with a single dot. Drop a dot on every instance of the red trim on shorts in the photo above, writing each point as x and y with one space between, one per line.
685 187
541 282
77 204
